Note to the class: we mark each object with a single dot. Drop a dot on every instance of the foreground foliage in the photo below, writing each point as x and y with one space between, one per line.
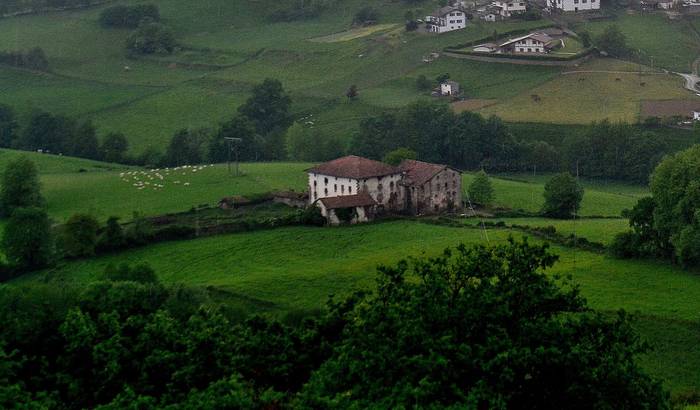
478 327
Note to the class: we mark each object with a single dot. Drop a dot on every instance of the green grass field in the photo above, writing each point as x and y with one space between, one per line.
298 268
228 47
73 185
670 44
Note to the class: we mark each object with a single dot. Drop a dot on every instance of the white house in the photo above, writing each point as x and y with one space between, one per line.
509 7
696 115
449 88
574 5
353 189
446 19
486 48
490 14
533 43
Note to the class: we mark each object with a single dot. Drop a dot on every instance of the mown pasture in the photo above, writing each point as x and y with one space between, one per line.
288 269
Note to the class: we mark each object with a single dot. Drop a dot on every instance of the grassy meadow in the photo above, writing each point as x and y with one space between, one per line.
286 269
73 185
227 47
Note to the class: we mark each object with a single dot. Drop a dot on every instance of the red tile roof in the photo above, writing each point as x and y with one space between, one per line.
419 172
348 201
354 167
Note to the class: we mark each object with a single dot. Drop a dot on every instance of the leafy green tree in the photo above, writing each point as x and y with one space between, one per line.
309 144
366 15
585 38
83 143
481 190
128 16
114 148
8 126
675 188
268 107
442 78
352 92
27 240
46 132
112 237
613 42
20 186
151 38
396 156
141 273
238 127
79 236
185 148
562 196
480 327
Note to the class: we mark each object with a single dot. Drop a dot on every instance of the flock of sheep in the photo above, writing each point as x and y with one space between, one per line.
156 179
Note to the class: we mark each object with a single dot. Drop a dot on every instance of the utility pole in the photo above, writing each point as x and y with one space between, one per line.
233 143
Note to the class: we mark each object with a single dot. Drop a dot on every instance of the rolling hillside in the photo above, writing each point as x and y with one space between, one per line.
227 47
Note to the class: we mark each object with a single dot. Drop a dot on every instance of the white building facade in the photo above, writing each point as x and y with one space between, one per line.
574 5
446 19
508 8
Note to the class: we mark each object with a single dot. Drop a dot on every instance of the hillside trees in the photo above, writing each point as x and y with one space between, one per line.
185 148
397 353
481 190
613 42
8 126
114 147
562 196
497 333
310 144
128 16
268 107
151 38
33 59
20 187
396 156
79 236
238 127
26 240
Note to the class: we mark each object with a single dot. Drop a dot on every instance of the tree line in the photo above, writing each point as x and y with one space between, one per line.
35 6
469 141
667 224
33 59
497 333
149 35
58 134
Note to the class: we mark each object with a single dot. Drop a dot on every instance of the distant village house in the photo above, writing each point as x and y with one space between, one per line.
449 88
574 5
354 189
446 19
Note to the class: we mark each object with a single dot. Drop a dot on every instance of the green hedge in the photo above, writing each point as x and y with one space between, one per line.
524 57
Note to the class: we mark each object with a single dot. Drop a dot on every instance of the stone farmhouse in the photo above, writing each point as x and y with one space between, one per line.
353 189
446 19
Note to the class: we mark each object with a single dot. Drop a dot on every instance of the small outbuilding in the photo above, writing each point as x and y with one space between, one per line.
350 209
449 88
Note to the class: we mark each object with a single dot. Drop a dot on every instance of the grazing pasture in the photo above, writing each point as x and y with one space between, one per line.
288 269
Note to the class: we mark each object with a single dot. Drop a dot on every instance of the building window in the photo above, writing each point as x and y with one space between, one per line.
315 182
342 189
335 188
350 190
391 185
325 181
380 187
445 185
325 191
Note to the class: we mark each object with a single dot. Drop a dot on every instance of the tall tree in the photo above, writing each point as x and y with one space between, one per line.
481 190
185 148
83 143
562 196
26 241
8 126
79 236
114 147
268 107
238 127
20 186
